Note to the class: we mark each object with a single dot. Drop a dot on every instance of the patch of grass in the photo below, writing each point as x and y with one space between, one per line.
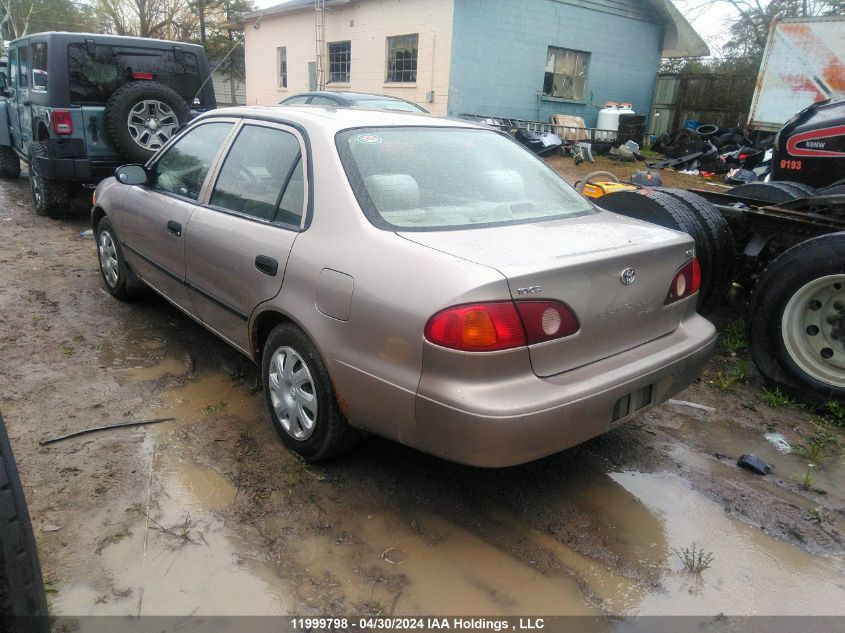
78 338
723 381
694 558
214 407
807 478
740 371
815 451
818 515
733 338
835 412
67 350
117 537
775 398
244 434
374 608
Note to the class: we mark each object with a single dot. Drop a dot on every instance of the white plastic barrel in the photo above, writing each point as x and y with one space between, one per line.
608 121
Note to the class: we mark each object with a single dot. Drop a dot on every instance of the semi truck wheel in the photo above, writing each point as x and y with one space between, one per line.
775 192
660 208
796 320
721 243
10 164
23 605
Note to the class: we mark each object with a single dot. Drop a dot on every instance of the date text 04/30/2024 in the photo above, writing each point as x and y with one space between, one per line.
416 624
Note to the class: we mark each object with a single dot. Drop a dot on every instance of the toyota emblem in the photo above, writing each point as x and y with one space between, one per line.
628 276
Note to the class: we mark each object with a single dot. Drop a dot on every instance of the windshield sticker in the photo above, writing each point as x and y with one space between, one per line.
369 138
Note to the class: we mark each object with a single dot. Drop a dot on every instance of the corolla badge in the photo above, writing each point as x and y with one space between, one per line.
628 276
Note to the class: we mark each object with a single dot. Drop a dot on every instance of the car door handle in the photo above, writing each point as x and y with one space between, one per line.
175 228
267 265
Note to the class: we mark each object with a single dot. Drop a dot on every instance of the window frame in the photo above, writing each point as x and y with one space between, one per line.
304 159
281 74
24 66
587 57
348 61
150 165
387 70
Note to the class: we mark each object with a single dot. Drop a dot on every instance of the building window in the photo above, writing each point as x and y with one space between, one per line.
566 73
283 66
402 58
339 62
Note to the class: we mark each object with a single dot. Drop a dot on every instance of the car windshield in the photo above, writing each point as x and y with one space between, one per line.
388 104
428 179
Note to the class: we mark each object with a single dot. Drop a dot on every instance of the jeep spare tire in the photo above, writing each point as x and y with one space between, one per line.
141 116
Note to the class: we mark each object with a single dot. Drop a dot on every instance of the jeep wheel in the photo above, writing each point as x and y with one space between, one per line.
10 164
49 197
141 116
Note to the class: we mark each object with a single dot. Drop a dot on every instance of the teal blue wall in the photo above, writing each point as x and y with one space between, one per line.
499 55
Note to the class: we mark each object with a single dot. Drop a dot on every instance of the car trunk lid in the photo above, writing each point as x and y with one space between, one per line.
580 261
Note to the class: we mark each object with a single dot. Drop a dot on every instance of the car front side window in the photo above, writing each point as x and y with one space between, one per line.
184 166
261 176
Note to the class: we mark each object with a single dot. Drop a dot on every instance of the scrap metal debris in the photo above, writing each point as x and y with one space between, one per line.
751 462
117 425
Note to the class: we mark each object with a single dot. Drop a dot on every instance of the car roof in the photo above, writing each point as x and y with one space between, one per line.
352 96
332 120
107 40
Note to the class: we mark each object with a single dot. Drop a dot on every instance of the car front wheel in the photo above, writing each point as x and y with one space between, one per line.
117 278
300 398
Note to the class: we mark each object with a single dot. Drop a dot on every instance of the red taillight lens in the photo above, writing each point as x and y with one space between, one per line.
144 76
546 320
489 327
62 122
686 282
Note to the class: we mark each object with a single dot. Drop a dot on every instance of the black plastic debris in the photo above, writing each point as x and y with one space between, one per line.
646 179
751 462
540 143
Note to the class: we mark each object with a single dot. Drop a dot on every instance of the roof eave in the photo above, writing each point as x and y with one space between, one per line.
680 38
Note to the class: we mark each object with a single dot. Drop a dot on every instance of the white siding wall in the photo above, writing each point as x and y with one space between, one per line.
366 24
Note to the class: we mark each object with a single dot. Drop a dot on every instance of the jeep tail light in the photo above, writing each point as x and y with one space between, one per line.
499 325
62 122
144 76
685 283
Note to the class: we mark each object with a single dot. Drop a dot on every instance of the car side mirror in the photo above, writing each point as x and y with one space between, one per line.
131 175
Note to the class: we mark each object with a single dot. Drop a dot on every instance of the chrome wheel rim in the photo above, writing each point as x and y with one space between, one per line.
813 329
108 259
293 393
151 123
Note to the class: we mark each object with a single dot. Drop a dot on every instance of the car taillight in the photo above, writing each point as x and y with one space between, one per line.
143 76
499 325
686 282
62 122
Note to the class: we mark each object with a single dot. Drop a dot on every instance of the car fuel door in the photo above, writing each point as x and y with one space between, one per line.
238 242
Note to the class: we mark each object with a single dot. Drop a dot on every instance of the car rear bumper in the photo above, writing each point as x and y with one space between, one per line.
80 170
507 421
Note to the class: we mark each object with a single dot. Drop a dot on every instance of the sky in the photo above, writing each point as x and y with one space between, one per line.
708 21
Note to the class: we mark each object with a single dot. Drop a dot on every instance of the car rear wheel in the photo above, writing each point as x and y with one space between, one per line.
23 605
300 397
10 164
49 197
142 116
796 319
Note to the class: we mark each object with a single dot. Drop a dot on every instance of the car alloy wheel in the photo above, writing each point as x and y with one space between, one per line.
813 328
151 123
109 263
292 393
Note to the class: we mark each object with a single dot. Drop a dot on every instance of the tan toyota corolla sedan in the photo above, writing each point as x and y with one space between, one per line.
426 280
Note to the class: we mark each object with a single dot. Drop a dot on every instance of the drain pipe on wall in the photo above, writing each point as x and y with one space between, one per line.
430 95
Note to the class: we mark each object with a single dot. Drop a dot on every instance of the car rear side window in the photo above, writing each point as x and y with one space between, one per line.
262 176
96 72
23 57
39 66
447 178
184 166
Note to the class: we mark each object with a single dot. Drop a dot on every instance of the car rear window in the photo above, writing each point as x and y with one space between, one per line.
95 74
387 104
429 179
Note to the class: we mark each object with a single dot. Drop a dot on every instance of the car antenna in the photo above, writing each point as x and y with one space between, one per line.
225 57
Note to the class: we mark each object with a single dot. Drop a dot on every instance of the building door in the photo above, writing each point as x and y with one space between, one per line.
312 76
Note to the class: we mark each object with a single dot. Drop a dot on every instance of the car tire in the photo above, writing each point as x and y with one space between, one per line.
775 192
665 210
118 278
796 317
49 197
170 110
10 164
721 240
319 431
23 604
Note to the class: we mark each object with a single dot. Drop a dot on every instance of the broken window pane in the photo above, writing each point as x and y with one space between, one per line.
566 73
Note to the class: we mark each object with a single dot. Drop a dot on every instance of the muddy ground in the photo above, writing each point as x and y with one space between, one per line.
209 514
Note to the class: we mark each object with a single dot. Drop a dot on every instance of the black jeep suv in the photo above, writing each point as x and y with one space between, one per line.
78 105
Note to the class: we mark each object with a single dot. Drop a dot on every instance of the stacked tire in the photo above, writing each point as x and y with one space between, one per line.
690 213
